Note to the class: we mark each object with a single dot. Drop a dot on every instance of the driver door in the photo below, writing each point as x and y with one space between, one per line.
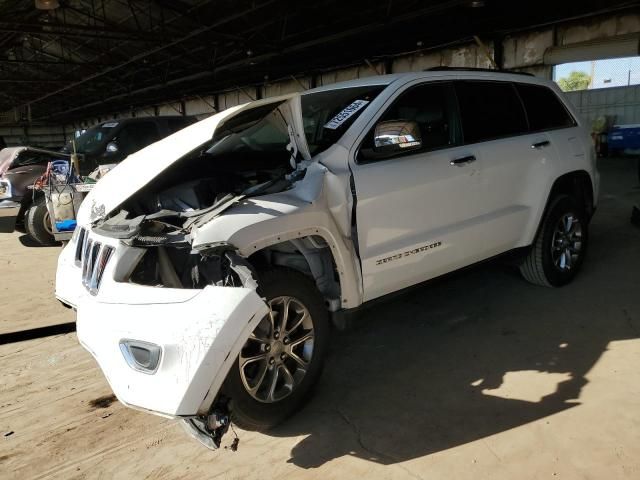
417 212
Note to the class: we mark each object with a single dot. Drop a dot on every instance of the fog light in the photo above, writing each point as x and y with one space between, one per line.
141 356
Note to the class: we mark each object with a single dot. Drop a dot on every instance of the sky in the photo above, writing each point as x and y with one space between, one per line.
606 73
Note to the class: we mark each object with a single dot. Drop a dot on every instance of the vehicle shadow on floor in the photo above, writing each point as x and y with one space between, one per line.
467 357
27 241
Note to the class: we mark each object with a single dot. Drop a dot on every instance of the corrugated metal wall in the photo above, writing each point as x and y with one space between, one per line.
45 136
623 103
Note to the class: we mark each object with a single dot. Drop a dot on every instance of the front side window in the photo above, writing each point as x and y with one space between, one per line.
432 107
489 110
327 115
545 111
92 140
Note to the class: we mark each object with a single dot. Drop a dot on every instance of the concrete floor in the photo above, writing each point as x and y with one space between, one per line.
479 375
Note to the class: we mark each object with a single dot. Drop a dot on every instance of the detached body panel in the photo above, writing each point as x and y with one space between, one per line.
198 338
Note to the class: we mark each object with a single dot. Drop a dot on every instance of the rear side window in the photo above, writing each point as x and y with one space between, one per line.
489 110
544 109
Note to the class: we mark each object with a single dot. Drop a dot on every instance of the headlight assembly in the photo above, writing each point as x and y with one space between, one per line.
5 188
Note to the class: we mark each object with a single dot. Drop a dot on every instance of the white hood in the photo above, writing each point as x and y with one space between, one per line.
140 168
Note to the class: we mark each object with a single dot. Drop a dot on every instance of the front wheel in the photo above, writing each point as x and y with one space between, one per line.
560 246
283 358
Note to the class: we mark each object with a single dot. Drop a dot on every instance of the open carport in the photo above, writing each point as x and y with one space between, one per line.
474 375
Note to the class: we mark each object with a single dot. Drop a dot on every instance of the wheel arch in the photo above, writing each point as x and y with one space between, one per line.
578 185
27 202
312 251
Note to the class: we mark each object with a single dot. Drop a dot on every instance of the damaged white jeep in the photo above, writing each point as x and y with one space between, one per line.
206 267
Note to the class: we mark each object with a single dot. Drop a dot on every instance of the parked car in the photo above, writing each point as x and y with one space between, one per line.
19 168
109 142
204 286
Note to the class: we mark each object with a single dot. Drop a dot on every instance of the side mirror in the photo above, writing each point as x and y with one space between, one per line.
112 148
394 136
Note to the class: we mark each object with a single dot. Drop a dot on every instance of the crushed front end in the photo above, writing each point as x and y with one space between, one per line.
164 350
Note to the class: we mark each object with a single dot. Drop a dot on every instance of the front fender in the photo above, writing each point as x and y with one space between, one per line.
257 223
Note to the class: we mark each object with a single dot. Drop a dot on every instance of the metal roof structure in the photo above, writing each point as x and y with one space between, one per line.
69 59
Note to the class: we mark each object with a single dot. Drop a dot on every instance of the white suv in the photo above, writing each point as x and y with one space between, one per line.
208 265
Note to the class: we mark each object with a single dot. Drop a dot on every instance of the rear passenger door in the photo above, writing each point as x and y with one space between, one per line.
547 114
513 161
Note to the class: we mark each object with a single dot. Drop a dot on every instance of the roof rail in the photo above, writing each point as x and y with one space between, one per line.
444 68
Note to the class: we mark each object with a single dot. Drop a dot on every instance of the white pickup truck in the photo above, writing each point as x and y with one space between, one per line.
208 266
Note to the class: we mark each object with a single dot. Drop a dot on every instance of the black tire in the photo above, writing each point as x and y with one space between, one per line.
35 219
539 266
251 414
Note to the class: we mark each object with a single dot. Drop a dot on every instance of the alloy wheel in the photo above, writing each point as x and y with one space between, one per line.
276 356
566 243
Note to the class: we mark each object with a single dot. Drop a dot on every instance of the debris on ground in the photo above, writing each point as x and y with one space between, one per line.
9 433
102 402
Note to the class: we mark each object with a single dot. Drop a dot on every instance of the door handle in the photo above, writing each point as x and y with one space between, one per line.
542 144
462 161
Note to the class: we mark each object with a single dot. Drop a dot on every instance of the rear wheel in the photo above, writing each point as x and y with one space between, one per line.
560 246
283 357
38 223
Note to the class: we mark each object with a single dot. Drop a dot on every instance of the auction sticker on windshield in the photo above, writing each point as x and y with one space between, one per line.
110 125
345 114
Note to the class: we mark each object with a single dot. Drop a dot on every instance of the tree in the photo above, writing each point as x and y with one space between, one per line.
575 81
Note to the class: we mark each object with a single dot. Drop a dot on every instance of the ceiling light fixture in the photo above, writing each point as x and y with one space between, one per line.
47 4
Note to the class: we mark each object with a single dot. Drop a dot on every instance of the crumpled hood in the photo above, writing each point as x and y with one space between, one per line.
7 156
140 168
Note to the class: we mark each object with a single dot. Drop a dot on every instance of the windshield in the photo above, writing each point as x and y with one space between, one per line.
261 129
29 157
92 140
327 115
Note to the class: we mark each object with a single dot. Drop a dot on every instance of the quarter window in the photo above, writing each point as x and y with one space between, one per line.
544 109
489 110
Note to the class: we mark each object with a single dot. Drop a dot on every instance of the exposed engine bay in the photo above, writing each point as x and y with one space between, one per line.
252 156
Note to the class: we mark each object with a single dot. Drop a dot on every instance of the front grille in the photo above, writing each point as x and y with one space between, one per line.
92 257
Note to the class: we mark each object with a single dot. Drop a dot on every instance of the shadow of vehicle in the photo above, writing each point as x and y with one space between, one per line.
27 241
470 356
